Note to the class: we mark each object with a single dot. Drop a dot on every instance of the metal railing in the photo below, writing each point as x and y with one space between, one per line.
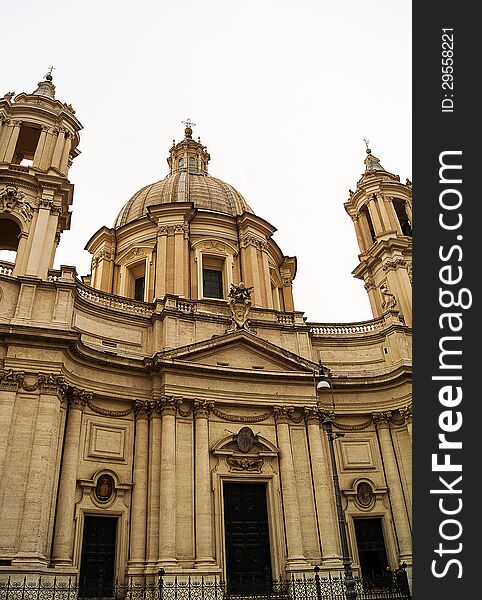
391 586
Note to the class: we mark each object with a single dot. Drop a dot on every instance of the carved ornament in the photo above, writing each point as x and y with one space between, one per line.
241 418
11 200
245 464
239 301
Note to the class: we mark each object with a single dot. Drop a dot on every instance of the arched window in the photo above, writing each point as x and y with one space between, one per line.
192 164
9 237
181 163
405 225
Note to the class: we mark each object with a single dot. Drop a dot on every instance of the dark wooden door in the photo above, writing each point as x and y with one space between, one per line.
96 578
248 559
371 548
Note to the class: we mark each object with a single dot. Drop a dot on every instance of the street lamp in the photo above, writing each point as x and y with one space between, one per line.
328 418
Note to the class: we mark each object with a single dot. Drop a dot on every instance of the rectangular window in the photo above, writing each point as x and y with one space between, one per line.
212 283
139 288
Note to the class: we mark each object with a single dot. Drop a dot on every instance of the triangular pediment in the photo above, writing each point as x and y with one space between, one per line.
239 350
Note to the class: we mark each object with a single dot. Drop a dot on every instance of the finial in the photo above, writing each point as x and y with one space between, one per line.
48 76
368 151
189 124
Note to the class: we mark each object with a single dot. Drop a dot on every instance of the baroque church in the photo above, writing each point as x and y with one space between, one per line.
165 411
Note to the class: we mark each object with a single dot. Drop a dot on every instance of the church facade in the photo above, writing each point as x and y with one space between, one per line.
164 412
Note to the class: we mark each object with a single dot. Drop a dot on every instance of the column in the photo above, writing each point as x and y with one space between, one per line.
372 208
365 230
11 141
179 244
399 510
388 225
41 241
59 146
167 514
323 486
161 256
64 521
139 491
66 153
41 481
153 487
359 236
294 542
267 276
203 512
37 159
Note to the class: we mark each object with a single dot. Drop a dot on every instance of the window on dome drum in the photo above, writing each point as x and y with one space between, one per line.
192 165
212 283
399 206
139 288
26 145
181 163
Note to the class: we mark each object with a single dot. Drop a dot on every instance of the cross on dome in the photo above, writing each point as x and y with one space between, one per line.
188 131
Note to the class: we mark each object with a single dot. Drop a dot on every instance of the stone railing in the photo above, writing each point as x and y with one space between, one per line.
361 327
125 305
285 319
6 268
54 274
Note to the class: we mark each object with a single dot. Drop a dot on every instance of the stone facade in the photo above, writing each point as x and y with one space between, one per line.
144 410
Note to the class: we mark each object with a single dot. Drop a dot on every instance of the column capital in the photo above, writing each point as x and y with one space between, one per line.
202 408
312 415
406 412
168 405
283 414
382 419
142 409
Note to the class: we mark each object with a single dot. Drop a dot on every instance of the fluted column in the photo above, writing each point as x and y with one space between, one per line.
397 501
139 492
64 521
203 512
323 486
291 511
153 487
167 515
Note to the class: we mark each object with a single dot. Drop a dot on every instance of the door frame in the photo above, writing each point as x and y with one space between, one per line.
116 548
275 522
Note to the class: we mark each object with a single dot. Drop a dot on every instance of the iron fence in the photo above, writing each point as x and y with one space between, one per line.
392 586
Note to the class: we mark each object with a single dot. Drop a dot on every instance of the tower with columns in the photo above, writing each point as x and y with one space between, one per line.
381 210
39 136
149 407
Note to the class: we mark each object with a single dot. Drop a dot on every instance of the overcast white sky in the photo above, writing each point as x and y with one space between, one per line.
282 92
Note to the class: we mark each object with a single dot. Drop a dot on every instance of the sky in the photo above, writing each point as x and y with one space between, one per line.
283 93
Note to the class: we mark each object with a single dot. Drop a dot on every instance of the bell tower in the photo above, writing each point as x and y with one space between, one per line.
381 211
39 136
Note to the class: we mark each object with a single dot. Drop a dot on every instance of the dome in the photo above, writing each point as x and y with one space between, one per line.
188 181
204 191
